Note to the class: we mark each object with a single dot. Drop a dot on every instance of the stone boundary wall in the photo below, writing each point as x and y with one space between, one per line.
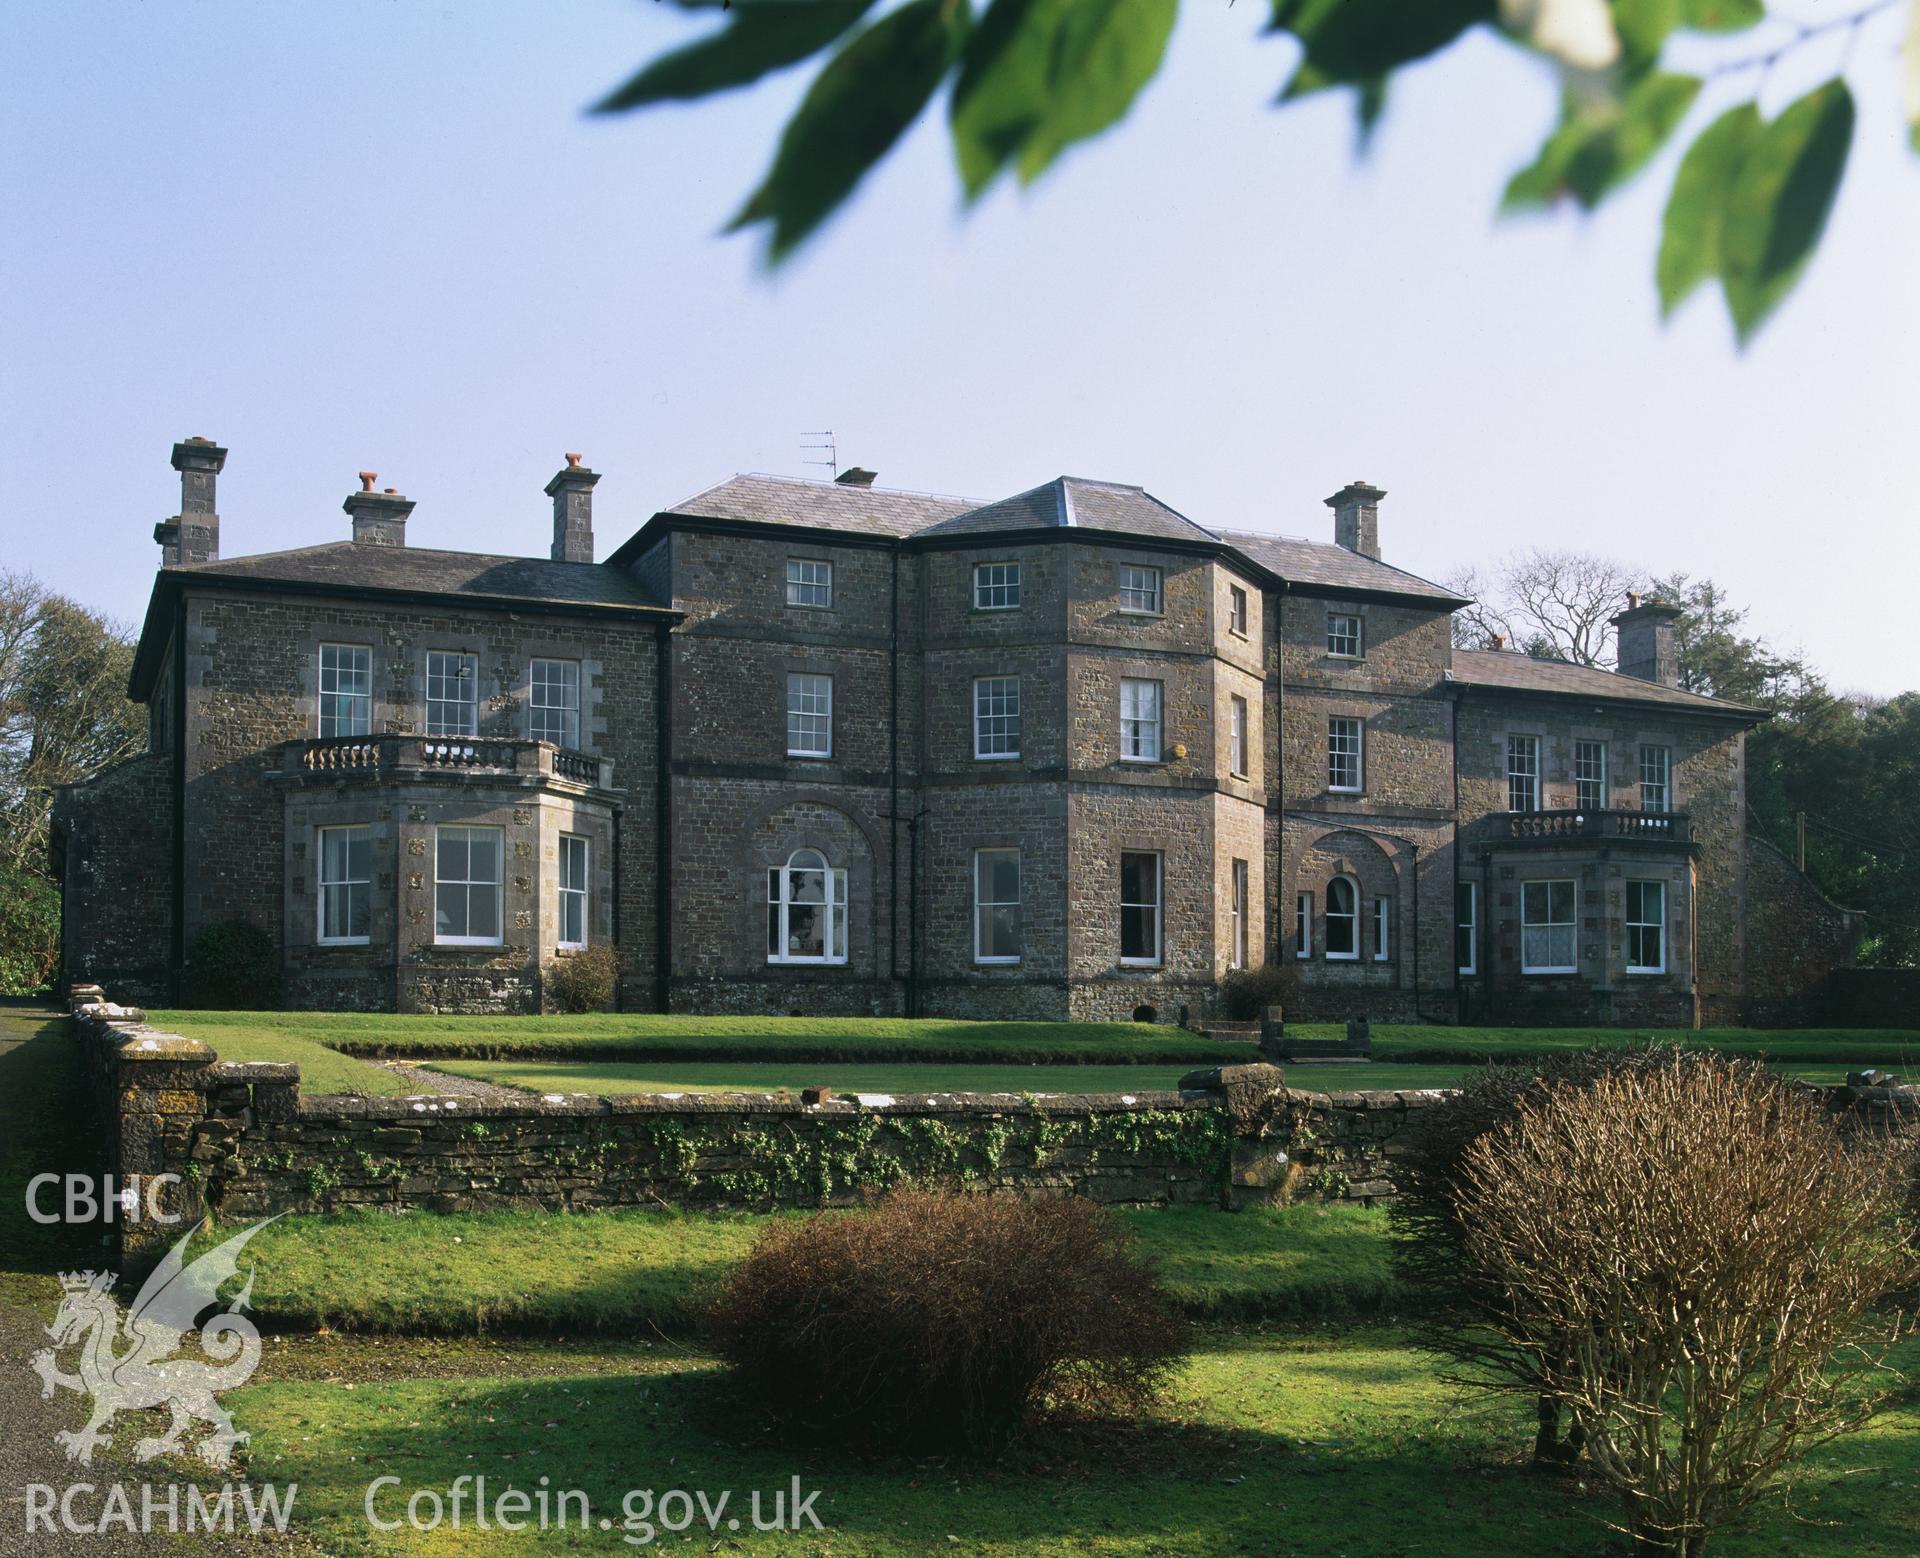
247 1144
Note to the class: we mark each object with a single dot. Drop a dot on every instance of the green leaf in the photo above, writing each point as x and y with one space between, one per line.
1722 15
1599 147
1039 75
1780 199
1691 232
763 36
1350 41
1644 27
857 107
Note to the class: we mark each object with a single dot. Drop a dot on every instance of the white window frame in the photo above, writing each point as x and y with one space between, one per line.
1237 719
1142 590
780 904
1341 728
1157 906
982 905
470 882
996 586
1571 925
1344 627
1237 610
803 689
544 674
357 701
808 577
1589 777
1656 794
1351 915
1382 929
1658 926
572 888
467 675
1303 925
996 719
326 885
1141 734
1237 931
1471 925
1529 747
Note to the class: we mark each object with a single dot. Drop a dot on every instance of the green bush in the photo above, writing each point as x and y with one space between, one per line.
938 1320
231 966
583 981
1247 992
29 932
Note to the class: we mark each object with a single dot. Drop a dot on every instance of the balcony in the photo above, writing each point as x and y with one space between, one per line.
424 757
1577 827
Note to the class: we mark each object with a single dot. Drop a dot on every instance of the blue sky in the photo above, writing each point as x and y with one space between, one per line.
385 236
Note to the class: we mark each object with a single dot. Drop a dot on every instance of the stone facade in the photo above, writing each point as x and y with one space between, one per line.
1273 745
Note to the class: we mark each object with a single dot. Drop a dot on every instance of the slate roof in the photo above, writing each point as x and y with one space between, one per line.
1324 563
1514 672
354 565
821 505
1074 501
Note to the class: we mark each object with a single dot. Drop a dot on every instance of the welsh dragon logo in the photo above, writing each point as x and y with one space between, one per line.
145 1373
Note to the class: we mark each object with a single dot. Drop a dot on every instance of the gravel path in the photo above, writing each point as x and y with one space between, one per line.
445 1083
39 1107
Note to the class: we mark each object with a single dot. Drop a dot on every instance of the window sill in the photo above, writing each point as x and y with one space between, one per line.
980 608
996 757
1341 789
798 605
1136 611
997 962
1236 773
806 962
1334 654
1342 957
569 946
812 757
1645 973
342 943
1236 633
1529 972
467 942
1142 762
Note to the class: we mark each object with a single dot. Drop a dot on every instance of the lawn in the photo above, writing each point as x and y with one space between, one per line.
644 1036
630 1271
1312 1441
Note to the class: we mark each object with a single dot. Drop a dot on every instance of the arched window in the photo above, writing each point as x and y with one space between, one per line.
806 910
1343 918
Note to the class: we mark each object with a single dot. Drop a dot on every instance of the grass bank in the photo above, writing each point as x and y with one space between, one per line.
628 1271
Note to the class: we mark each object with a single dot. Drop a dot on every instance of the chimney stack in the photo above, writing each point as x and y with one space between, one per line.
379 518
1356 518
193 535
1648 648
857 476
572 494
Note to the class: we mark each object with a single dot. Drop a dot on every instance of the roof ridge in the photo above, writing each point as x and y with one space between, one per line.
840 486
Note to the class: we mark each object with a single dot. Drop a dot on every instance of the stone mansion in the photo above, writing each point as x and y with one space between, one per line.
825 747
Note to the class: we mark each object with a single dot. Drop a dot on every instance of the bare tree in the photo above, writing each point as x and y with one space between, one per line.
1554 605
1699 1267
64 711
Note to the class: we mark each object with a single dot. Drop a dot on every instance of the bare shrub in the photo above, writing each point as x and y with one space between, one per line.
1426 1245
942 1320
1694 1263
583 981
